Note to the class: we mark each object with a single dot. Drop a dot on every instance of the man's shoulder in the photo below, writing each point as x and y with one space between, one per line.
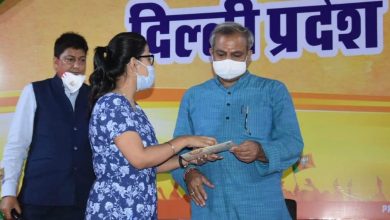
41 82
86 87
266 81
41 85
204 85
198 90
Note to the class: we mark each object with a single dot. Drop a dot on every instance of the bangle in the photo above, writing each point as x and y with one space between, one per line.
172 147
181 162
188 171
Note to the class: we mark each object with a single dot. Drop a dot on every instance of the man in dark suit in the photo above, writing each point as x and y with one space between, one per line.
50 131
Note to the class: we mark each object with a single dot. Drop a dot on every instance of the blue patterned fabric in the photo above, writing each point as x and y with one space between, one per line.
256 109
120 191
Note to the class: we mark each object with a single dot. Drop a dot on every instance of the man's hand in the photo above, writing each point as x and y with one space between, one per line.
249 151
7 204
195 180
206 158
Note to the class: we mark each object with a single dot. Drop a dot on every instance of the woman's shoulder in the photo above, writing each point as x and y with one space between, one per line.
111 101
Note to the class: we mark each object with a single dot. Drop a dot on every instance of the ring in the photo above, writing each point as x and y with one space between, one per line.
192 193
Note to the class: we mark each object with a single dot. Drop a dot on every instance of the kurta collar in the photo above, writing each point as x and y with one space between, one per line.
241 81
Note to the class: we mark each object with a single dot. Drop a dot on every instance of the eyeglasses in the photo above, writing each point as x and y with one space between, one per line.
150 58
70 60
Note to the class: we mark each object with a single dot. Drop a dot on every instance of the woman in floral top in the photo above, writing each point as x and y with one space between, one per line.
126 155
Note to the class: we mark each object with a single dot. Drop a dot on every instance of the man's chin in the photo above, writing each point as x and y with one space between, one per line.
229 80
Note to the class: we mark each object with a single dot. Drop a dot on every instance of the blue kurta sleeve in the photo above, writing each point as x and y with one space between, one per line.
285 145
184 123
183 127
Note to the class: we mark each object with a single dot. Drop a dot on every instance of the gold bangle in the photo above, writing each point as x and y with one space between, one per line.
172 147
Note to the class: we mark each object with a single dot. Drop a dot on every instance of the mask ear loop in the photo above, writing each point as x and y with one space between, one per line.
142 63
212 58
147 70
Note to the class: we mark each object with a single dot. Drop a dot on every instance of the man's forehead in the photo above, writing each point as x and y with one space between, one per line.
231 47
74 52
231 36
230 50
231 40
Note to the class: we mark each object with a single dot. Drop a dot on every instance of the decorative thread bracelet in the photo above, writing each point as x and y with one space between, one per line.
181 162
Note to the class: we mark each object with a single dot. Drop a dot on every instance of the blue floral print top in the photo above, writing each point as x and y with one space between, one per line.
120 191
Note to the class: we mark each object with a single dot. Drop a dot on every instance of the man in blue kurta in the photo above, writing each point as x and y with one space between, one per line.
258 115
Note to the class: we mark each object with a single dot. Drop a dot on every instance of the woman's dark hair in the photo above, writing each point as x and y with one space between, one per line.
110 62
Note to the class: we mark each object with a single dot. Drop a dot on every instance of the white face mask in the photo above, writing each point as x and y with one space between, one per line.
229 69
72 81
145 82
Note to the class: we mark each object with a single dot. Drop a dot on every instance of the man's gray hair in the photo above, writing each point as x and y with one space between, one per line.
229 28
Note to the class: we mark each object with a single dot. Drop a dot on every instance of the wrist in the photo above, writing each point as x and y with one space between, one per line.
183 163
173 148
179 143
261 154
188 171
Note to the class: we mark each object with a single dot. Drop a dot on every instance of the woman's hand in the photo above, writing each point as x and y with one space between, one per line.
192 142
199 141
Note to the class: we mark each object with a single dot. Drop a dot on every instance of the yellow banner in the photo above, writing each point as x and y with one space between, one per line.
342 100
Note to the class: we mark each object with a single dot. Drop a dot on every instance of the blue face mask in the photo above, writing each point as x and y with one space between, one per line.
145 82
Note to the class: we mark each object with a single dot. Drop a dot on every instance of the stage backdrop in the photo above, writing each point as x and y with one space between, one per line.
333 55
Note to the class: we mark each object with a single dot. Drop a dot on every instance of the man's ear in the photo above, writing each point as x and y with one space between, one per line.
56 63
55 60
211 54
249 57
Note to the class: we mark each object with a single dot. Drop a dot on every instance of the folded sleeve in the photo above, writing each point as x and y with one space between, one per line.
285 146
